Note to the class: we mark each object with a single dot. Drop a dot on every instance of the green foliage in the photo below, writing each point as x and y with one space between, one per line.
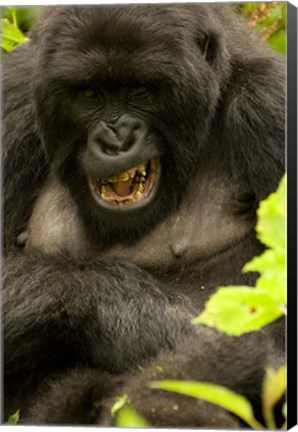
11 35
14 419
120 402
126 416
271 226
25 15
270 20
218 395
239 309
274 386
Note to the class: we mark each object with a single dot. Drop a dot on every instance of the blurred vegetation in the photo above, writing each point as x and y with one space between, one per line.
15 23
14 419
269 20
25 15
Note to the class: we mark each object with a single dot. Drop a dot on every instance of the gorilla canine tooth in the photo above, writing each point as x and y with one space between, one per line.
132 171
138 195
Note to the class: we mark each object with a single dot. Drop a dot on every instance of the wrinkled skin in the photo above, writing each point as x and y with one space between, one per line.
97 292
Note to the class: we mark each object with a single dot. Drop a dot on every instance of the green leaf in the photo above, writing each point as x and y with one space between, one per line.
125 415
11 35
8 45
218 395
271 225
272 266
274 386
25 16
120 402
271 261
14 419
128 417
238 310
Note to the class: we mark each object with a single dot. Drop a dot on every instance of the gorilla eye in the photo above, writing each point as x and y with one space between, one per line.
89 93
138 90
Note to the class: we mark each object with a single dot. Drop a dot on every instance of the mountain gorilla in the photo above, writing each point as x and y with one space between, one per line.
138 141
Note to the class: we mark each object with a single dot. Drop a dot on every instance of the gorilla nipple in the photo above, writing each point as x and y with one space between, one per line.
179 249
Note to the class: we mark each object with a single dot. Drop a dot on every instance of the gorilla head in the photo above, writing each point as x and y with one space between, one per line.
125 109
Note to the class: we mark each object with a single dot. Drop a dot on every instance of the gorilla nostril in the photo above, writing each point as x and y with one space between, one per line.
107 145
129 142
104 140
108 150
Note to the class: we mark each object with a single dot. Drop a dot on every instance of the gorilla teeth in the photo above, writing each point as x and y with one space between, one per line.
138 196
138 172
130 186
142 170
105 189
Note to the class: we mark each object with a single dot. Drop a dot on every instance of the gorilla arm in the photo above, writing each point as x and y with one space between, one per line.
95 312
209 356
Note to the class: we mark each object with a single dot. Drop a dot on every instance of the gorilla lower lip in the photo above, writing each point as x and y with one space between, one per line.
128 187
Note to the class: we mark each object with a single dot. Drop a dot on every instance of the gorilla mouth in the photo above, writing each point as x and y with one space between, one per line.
128 187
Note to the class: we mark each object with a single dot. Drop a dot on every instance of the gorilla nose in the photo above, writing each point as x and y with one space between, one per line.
111 140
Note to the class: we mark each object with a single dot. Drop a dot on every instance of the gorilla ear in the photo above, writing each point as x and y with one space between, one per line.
208 44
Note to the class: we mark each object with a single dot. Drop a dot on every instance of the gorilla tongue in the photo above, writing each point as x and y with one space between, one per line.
123 188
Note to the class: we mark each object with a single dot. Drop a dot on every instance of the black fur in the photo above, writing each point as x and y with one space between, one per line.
79 331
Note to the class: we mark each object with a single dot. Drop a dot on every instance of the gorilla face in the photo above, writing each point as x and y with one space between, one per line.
124 110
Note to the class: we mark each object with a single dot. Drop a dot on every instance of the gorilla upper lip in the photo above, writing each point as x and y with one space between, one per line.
129 187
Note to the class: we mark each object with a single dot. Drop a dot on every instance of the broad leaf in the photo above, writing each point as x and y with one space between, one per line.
11 35
14 419
272 266
274 386
238 310
271 225
128 417
218 395
120 402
